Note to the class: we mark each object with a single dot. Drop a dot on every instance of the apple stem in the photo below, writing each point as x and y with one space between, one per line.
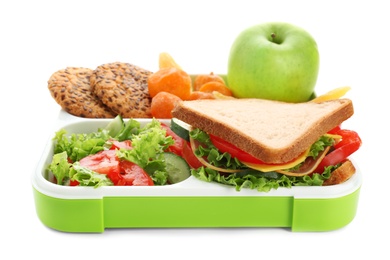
273 36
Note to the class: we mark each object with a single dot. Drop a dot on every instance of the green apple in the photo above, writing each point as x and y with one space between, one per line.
277 61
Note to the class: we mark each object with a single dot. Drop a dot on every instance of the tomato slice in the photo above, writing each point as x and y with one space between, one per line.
134 175
123 144
104 162
74 183
334 130
225 146
177 147
190 157
349 144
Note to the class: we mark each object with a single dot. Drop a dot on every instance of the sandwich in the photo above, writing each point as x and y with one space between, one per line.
263 144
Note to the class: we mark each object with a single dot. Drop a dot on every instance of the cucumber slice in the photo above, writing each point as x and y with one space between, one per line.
180 128
115 126
177 168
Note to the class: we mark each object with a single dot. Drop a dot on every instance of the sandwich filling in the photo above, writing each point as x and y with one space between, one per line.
223 162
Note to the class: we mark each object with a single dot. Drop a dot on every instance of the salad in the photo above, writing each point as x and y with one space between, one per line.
121 154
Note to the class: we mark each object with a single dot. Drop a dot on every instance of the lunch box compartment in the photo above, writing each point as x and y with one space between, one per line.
189 204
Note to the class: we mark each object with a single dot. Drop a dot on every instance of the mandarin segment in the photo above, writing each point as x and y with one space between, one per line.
171 80
202 79
162 105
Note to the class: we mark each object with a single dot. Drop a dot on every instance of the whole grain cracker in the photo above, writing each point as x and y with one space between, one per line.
71 89
123 88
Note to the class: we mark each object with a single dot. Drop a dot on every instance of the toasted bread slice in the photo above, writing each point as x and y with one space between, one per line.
272 131
341 174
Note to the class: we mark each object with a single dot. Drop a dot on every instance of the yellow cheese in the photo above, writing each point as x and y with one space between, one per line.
275 167
311 169
336 137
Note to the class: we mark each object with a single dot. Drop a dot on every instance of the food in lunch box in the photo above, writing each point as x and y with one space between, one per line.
124 153
71 89
123 88
274 60
111 89
264 144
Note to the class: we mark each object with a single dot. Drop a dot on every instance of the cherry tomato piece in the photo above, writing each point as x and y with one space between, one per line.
123 144
134 175
104 162
177 147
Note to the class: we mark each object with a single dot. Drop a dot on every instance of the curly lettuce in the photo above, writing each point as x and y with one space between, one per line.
250 178
148 145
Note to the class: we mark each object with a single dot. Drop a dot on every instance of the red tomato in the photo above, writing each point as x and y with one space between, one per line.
349 144
348 136
118 145
134 175
190 157
177 147
104 162
74 183
335 130
235 152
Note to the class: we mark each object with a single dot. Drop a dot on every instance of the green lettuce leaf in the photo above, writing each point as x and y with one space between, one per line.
249 178
87 177
59 166
212 154
320 145
149 144
77 146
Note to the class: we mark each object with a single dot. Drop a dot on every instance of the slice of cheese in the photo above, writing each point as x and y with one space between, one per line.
309 167
275 167
282 167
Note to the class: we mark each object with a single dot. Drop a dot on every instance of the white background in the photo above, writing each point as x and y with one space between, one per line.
38 38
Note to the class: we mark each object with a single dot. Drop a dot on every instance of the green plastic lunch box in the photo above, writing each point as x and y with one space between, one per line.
189 204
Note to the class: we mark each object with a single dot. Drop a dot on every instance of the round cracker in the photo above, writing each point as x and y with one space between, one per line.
71 89
123 87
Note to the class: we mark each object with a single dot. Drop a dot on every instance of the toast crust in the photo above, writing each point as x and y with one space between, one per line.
341 174
274 132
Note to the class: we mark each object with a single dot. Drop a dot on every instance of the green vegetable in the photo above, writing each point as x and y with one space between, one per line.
132 127
249 178
115 126
77 146
65 171
148 146
87 177
177 168
320 145
212 154
180 128
60 167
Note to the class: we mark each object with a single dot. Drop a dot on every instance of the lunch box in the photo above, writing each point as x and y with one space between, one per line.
192 203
